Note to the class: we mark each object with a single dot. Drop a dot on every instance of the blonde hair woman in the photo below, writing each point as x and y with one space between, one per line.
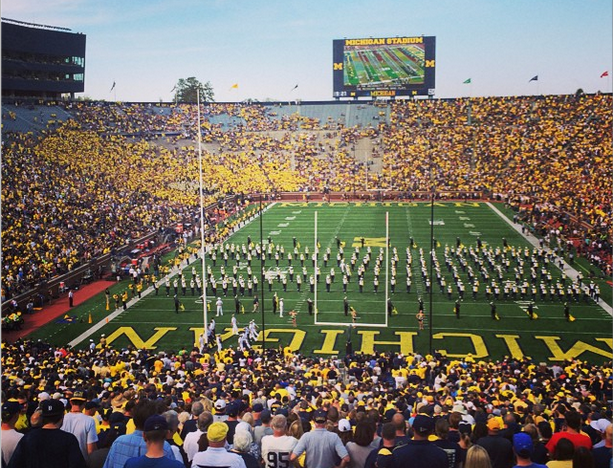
477 457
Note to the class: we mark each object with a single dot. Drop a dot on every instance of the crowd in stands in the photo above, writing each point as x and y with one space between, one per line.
118 171
360 411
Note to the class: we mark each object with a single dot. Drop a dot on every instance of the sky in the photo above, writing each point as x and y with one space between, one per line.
269 47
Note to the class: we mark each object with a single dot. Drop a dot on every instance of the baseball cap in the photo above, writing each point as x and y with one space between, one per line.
423 424
320 416
344 425
217 432
600 425
522 443
258 407
232 409
43 396
51 408
389 414
220 404
493 424
78 395
116 417
10 409
156 423
465 427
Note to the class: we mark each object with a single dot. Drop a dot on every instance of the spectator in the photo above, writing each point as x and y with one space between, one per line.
477 457
539 454
264 428
192 424
419 452
172 420
361 446
523 448
241 446
583 458
562 456
345 432
155 433
80 425
10 437
277 448
499 449
216 455
381 457
572 433
133 445
49 446
190 443
602 455
400 424
321 447
455 454
98 457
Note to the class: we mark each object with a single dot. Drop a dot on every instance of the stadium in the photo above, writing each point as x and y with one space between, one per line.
455 250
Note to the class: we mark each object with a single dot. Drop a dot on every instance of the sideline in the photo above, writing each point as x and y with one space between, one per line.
113 315
570 272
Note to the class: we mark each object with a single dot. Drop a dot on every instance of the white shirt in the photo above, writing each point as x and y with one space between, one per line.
217 456
83 427
277 450
10 439
190 445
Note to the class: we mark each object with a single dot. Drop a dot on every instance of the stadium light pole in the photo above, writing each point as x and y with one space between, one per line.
262 256
202 236
430 324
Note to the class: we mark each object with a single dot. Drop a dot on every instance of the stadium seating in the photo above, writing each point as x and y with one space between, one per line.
115 171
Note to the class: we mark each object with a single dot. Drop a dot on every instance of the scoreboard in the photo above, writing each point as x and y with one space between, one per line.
384 67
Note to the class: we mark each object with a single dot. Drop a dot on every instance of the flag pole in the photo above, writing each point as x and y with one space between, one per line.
202 236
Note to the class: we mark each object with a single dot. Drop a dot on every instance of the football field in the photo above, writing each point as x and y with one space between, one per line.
391 65
479 261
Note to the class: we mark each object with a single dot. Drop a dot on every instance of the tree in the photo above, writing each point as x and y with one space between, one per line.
186 90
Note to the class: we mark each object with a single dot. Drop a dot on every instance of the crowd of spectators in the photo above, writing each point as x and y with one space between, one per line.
118 171
372 403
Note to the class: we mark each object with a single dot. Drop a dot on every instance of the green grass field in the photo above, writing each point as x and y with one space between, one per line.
152 321
384 65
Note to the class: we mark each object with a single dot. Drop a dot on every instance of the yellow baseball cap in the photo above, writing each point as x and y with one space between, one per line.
217 432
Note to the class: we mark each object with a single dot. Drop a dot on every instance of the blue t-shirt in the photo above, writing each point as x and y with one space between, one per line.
145 462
